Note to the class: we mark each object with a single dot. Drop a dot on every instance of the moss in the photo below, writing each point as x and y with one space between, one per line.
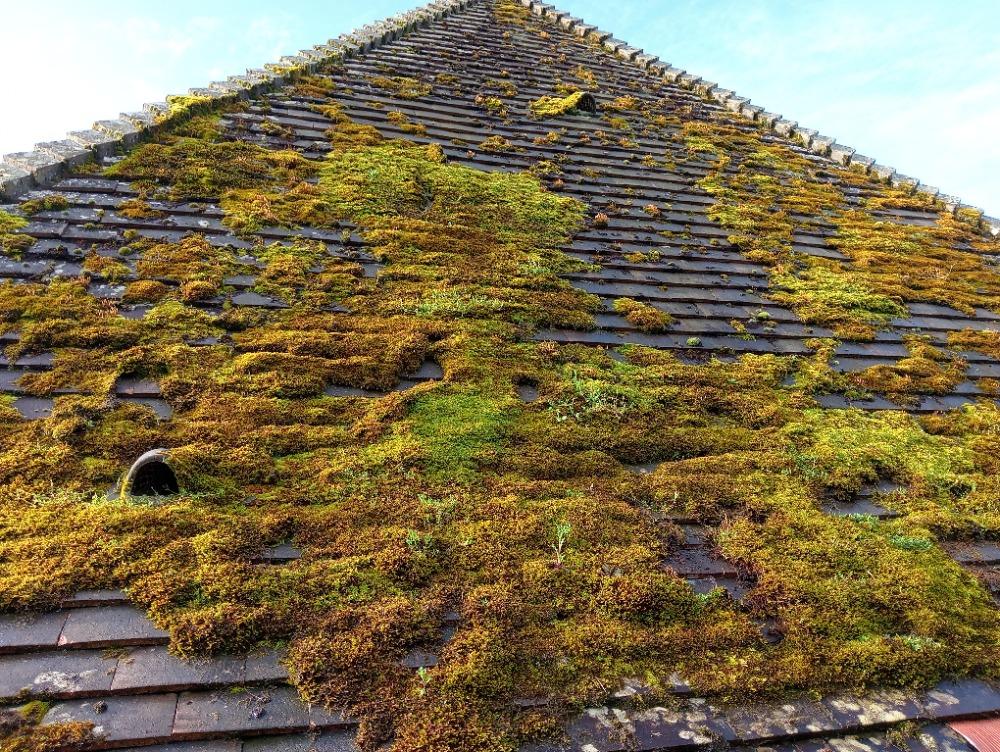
63 736
184 105
763 189
824 293
986 341
644 316
496 144
199 169
405 124
416 499
51 202
545 107
403 87
11 241
136 208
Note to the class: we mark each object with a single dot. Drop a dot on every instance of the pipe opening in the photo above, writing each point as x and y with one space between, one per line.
150 475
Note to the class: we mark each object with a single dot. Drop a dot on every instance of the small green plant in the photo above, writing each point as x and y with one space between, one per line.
424 676
694 341
419 543
910 543
562 530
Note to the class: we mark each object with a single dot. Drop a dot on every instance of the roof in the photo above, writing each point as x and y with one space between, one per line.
491 385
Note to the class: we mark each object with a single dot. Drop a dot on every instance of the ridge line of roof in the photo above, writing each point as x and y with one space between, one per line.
21 172
824 146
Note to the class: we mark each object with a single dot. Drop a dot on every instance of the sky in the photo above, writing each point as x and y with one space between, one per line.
912 83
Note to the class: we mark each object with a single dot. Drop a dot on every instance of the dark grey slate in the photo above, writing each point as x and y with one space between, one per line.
256 711
109 626
60 674
936 737
962 699
328 741
264 667
256 299
881 708
215 745
420 659
143 719
758 724
30 631
154 667
33 408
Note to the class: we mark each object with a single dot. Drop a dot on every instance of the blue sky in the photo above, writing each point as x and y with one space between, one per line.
913 83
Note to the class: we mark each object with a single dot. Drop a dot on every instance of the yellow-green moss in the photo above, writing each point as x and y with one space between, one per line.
454 494
544 107
12 241
403 87
643 315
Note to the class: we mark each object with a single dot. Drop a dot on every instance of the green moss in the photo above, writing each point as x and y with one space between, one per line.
53 202
643 315
544 107
10 240
201 169
403 87
764 192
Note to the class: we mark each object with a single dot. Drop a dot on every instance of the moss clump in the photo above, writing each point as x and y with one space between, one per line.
986 341
52 202
12 241
545 107
496 144
196 169
403 87
825 293
137 208
644 316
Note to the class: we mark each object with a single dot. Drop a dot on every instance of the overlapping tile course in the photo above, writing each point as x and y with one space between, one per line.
696 278
139 695
136 693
